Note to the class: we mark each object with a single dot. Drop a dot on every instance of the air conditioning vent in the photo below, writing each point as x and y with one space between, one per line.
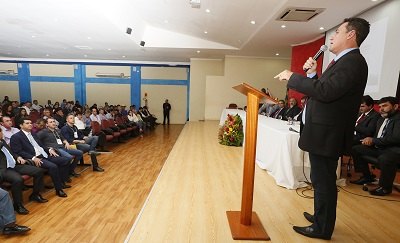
299 14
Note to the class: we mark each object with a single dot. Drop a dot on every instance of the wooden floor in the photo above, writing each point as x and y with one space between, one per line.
201 180
102 207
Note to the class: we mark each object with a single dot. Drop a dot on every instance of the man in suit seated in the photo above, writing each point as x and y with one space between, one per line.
280 112
385 146
8 129
84 143
366 122
11 168
7 216
29 147
293 109
52 138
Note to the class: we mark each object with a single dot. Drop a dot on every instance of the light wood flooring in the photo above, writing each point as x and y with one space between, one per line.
101 207
201 180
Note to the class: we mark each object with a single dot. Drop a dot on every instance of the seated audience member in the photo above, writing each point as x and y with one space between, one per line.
11 168
94 116
63 103
85 143
102 114
6 101
52 138
280 112
36 105
293 109
122 110
86 118
8 129
39 125
15 106
27 106
268 109
7 216
47 112
29 147
385 146
49 105
81 125
21 114
366 122
136 119
59 117
7 110
56 106
303 102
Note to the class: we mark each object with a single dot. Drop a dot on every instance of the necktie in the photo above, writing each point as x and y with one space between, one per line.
38 150
360 119
331 64
10 159
382 129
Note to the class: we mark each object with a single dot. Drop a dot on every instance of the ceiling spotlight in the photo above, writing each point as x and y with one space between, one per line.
276 54
252 22
123 56
283 26
321 28
142 43
198 51
205 32
85 55
129 31
33 36
109 49
47 55
208 10
166 21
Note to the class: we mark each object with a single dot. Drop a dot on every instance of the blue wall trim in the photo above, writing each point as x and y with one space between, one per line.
8 77
79 85
51 79
24 86
164 82
188 94
108 80
136 83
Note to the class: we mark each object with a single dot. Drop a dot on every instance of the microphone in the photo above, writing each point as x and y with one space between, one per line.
318 54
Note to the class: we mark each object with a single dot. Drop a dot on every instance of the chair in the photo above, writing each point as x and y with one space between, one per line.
375 165
97 130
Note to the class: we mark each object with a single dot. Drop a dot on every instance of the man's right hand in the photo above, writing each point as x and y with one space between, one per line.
311 65
38 162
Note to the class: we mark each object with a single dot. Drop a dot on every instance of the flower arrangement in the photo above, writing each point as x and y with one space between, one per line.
231 133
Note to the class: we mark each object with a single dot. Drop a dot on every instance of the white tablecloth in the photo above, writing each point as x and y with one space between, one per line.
277 150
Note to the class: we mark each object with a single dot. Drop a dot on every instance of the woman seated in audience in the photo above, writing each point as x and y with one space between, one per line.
136 119
56 106
38 125
21 113
7 110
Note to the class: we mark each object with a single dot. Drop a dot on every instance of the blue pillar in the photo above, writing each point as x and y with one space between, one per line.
187 94
24 84
136 83
80 83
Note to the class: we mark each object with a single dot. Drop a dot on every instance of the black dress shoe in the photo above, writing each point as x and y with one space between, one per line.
363 180
93 152
380 191
68 180
74 174
20 209
37 198
309 217
61 193
310 232
98 169
64 186
15 230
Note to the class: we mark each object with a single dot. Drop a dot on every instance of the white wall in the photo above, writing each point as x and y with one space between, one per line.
114 94
91 70
54 91
53 70
9 88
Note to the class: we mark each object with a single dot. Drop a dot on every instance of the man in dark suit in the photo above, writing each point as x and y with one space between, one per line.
330 115
384 145
366 122
280 112
166 110
293 109
11 168
29 147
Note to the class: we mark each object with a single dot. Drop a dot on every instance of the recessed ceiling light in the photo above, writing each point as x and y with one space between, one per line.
123 56
33 36
205 32
47 55
283 26
166 21
321 28
252 22
109 49
374 0
208 10
198 51
276 54
85 55
89 38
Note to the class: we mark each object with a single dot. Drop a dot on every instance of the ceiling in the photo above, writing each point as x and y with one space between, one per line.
172 30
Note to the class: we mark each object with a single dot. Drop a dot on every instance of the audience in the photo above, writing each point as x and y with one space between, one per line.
292 111
384 145
366 122
8 130
280 112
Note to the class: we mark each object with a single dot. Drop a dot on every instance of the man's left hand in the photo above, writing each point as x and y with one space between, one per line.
367 141
284 75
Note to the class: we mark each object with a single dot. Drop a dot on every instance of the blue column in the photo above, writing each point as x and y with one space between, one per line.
136 83
80 83
24 84
188 94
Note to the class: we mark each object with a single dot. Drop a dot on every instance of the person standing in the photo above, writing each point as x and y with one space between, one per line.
329 118
166 110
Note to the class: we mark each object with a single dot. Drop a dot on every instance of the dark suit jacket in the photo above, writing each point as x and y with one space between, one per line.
292 112
367 126
21 146
391 138
331 111
3 163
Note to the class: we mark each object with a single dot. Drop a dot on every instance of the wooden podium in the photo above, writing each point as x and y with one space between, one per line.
245 224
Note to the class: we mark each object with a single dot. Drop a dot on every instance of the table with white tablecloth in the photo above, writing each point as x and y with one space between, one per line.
277 150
